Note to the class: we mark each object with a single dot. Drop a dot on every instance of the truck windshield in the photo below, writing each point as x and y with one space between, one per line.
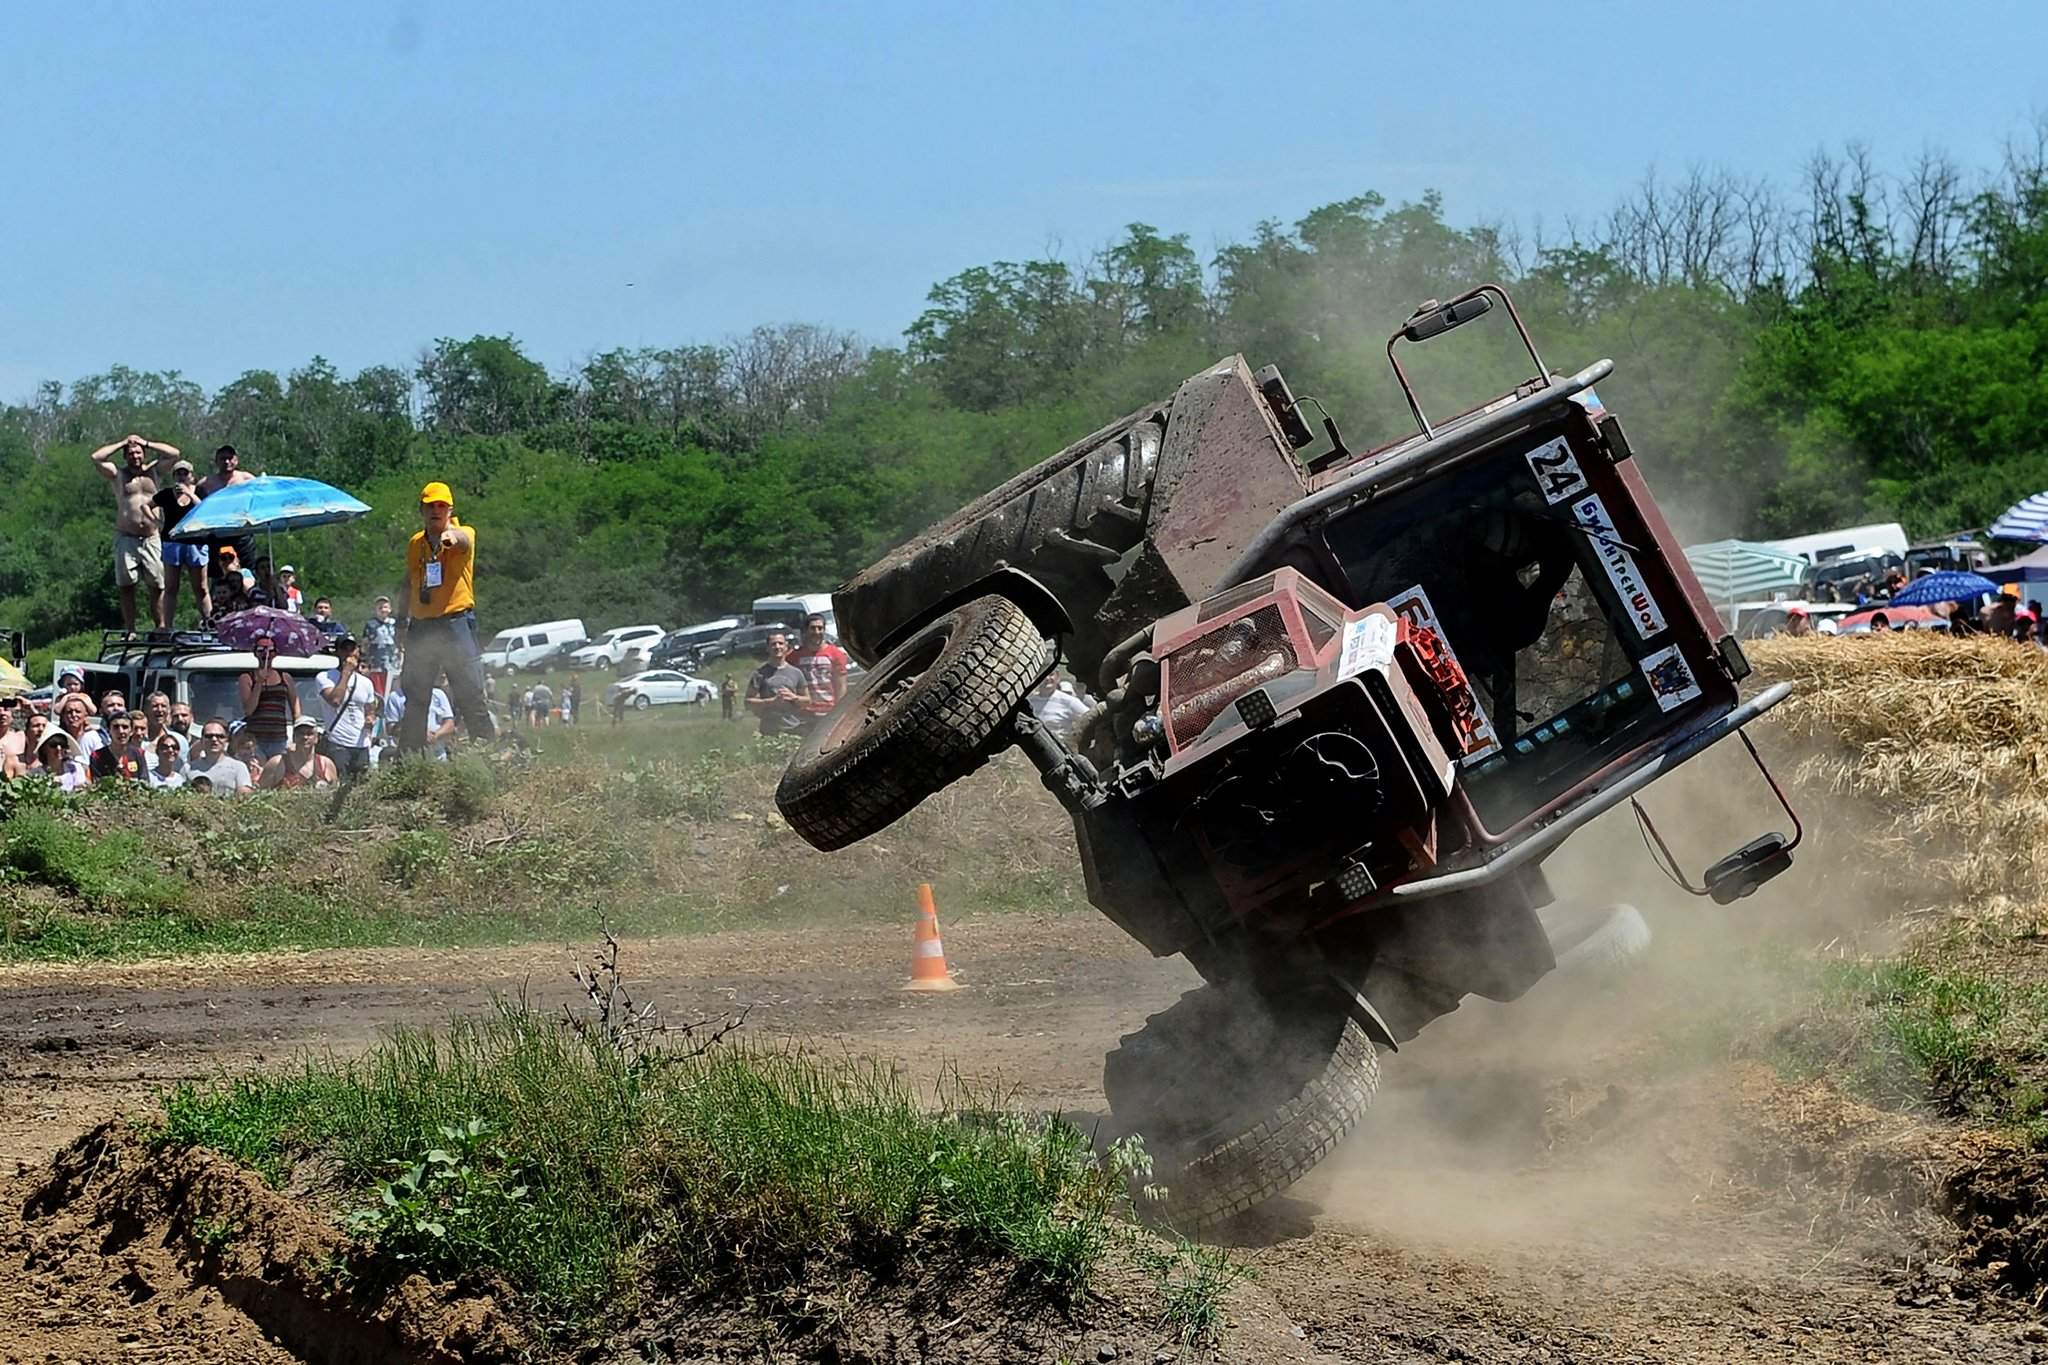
1529 605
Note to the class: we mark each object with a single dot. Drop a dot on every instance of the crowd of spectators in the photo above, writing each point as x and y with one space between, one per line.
272 745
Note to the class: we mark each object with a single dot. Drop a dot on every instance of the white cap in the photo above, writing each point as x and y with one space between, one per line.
286 568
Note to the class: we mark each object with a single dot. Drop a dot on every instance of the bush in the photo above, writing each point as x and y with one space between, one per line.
417 855
111 872
591 1175
469 789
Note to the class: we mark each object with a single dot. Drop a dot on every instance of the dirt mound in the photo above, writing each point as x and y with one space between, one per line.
185 1253
2000 1202
181 1254
939 1311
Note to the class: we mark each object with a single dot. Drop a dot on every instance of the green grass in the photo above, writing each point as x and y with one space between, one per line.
666 824
1952 1027
595 1177
104 872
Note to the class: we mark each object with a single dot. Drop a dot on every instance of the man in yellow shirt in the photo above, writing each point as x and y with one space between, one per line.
437 622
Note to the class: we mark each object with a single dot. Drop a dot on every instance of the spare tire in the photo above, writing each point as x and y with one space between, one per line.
924 717
1237 1096
1064 522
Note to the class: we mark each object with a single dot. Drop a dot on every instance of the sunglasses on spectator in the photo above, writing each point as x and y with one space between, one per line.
218 736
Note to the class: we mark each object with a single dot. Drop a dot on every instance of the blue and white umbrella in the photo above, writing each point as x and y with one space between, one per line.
2026 519
267 503
1742 571
1946 586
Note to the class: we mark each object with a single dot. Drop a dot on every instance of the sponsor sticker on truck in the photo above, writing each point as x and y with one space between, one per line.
1414 607
1670 677
1557 471
1591 514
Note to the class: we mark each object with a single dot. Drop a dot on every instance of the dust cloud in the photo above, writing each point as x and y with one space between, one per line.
1599 1111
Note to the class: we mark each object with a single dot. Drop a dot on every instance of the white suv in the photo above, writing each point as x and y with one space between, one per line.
610 649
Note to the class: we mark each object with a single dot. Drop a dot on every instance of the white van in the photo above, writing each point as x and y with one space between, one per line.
790 609
1885 537
527 646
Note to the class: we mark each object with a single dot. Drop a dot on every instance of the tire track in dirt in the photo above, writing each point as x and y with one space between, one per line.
1046 997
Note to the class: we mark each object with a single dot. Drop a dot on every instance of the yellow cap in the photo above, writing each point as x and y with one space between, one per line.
437 492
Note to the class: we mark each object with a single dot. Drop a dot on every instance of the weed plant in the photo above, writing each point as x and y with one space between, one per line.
1192 1282
593 1177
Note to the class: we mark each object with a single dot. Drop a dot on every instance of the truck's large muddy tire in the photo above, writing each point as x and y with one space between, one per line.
922 718
1238 1097
1062 521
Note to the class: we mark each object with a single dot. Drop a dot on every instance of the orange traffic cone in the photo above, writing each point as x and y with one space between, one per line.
928 955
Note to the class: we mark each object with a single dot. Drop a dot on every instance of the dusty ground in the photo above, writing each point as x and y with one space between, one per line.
1508 1202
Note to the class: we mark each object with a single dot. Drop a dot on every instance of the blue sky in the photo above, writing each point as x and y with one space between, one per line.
234 186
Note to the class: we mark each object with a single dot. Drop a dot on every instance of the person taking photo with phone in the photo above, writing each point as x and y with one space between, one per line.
270 705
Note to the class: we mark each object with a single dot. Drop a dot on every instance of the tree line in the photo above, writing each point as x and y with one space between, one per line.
1868 344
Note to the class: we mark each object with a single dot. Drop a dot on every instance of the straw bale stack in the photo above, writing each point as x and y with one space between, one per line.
1945 740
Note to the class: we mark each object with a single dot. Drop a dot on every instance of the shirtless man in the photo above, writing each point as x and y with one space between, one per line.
227 472
138 554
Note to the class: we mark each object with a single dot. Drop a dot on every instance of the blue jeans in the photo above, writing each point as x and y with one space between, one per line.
436 646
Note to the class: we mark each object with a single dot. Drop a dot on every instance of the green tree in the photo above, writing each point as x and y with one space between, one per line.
485 386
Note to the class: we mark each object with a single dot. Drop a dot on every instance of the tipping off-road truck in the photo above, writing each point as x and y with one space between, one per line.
1347 704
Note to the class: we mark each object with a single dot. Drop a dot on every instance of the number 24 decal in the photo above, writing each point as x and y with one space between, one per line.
1557 471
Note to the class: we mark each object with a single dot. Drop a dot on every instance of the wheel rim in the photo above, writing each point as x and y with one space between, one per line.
894 683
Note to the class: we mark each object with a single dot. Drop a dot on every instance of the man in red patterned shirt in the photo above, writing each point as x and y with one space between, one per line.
823 665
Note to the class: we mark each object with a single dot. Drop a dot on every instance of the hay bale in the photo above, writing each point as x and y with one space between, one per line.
1914 686
1944 741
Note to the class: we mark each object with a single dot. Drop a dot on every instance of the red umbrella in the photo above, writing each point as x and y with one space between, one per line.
1899 617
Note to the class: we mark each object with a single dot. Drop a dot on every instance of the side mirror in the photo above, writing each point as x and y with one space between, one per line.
1743 871
1434 319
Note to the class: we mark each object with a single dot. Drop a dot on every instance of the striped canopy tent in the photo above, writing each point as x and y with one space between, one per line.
2026 519
1743 571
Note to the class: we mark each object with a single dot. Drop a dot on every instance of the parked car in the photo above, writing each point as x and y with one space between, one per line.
557 659
610 649
679 648
662 687
1762 620
748 642
532 647
790 609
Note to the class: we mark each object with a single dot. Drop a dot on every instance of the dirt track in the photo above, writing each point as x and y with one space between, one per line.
1575 1221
